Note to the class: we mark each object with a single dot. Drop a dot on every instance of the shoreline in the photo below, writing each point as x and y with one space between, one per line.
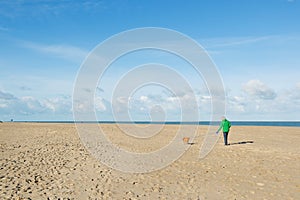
200 123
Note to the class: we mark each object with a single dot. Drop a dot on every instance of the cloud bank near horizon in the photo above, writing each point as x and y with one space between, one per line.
256 101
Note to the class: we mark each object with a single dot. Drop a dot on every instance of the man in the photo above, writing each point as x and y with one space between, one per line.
225 124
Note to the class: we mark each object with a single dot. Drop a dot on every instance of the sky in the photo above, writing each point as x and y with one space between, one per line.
254 45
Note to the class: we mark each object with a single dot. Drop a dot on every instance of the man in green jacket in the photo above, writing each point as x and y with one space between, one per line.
225 124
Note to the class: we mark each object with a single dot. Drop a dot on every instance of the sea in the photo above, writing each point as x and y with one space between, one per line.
233 123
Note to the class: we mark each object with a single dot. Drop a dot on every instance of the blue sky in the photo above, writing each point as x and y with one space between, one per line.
255 45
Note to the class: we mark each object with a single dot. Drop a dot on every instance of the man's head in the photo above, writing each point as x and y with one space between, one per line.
223 117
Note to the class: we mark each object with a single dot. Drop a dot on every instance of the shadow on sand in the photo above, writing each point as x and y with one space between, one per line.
243 142
191 143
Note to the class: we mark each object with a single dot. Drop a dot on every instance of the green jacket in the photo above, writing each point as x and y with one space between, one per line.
225 124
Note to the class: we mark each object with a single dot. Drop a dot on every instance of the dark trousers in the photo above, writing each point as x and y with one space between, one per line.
225 134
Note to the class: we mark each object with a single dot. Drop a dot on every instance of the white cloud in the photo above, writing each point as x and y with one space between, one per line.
122 100
21 106
298 86
82 106
3 105
237 104
26 106
6 96
260 102
100 104
67 52
258 89
31 104
160 104
255 102
60 104
144 98
42 8
237 41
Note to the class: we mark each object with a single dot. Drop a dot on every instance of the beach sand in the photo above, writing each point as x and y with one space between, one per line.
48 161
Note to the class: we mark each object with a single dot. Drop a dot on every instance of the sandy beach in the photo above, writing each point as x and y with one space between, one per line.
48 161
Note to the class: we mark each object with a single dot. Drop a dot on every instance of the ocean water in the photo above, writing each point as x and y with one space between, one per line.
233 123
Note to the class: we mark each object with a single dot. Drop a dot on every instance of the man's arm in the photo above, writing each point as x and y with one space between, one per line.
221 125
